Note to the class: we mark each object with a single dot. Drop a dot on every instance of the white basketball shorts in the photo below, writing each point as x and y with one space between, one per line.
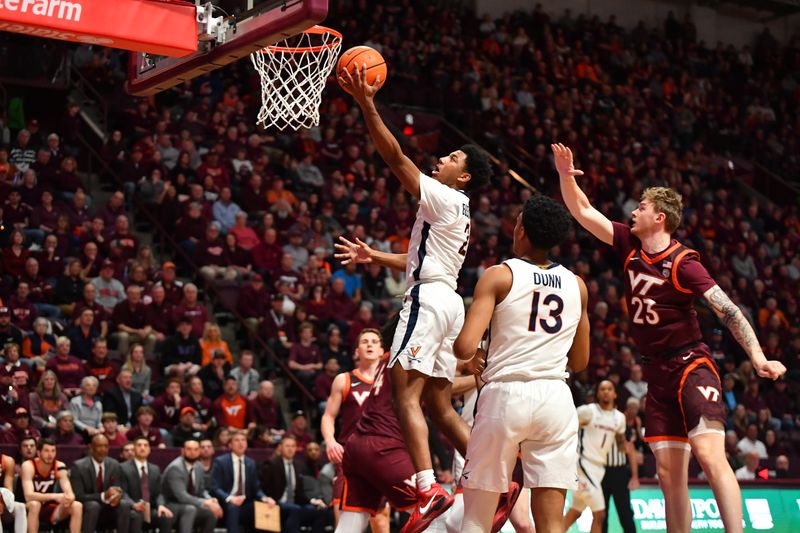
430 321
590 491
534 418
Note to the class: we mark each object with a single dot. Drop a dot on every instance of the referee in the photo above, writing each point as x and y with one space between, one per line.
622 474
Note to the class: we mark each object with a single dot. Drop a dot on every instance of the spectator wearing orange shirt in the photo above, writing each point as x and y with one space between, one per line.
211 342
277 193
770 309
231 409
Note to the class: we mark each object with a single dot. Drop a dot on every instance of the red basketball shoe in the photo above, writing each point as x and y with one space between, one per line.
430 505
505 506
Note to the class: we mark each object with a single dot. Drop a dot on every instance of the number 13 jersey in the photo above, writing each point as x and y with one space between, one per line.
532 329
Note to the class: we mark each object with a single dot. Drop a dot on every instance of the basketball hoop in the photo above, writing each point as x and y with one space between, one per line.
293 74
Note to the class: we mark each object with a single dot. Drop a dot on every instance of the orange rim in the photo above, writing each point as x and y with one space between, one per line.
313 30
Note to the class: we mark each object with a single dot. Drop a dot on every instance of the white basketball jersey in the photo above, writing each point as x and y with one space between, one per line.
532 329
598 430
440 234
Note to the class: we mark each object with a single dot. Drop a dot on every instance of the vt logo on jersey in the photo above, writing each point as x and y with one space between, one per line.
233 410
648 280
710 393
360 396
44 485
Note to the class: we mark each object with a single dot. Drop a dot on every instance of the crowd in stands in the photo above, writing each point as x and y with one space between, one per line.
99 335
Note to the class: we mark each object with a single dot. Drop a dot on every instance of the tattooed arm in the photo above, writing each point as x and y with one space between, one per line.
733 318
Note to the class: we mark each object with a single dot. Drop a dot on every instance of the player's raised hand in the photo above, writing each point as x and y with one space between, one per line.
353 252
770 369
335 452
356 85
562 157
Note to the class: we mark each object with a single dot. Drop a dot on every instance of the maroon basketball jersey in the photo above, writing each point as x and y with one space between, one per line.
660 291
354 396
45 483
378 418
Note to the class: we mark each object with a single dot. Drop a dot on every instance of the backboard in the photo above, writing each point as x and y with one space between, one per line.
248 25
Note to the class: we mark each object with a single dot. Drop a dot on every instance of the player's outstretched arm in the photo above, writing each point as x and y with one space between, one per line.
578 204
361 252
735 321
402 167
333 448
491 289
578 355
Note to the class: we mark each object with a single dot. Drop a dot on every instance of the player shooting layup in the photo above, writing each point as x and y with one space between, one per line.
422 361
536 314
684 400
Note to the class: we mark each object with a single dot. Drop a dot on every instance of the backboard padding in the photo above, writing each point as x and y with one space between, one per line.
251 34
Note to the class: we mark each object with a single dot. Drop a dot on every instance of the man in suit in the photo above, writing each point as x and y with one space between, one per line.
284 484
235 484
141 481
123 400
185 492
96 482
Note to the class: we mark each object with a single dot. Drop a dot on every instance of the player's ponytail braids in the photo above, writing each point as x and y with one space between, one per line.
478 166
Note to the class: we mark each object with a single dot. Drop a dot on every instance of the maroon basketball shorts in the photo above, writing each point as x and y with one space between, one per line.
374 468
338 486
681 390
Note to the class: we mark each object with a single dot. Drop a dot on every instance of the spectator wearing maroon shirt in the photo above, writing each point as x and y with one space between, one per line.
20 428
253 196
196 399
65 434
45 216
46 401
111 430
130 322
305 358
340 308
172 287
144 428
68 368
88 301
41 291
752 399
363 320
122 238
266 410
114 208
191 228
17 214
100 366
51 260
160 313
192 309
83 335
167 405
267 254
253 303
324 381
15 255
781 404
97 234
23 311
8 331
212 256
299 430
79 215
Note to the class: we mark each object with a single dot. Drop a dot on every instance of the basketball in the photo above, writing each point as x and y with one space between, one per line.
359 55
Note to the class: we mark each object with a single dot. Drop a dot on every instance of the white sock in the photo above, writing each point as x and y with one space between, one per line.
425 479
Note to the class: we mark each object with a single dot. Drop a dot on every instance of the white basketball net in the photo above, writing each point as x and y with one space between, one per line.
293 74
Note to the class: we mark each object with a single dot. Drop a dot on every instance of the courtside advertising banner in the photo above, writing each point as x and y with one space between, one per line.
162 27
765 509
